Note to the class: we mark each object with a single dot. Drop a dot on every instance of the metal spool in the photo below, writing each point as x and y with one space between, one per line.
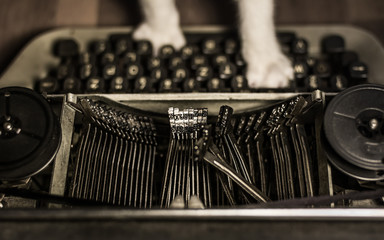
30 133
354 128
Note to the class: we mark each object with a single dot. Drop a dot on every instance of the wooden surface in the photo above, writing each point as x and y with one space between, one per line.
20 20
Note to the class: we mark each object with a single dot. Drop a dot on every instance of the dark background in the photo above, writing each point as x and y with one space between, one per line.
20 20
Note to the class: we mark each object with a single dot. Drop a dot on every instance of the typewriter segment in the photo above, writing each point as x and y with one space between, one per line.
200 138
208 63
30 133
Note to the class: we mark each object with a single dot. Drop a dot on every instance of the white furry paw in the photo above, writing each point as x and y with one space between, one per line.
160 37
266 71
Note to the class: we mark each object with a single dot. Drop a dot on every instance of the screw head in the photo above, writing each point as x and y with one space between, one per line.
373 124
8 126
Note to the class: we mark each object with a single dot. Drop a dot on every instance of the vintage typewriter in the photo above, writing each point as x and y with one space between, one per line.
90 118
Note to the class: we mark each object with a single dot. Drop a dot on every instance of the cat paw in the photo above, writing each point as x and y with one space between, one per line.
269 71
159 37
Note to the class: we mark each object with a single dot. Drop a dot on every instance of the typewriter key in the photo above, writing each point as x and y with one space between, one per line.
338 83
29 133
230 46
299 47
133 71
198 60
333 44
119 85
158 74
95 85
72 85
166 51
99 46
66 48
191 85
153 63
203 73
48 85
121 43
210 46
187 52
144 48
180 74
358 72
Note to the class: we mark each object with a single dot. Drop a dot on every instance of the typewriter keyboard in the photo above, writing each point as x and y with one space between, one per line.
207 63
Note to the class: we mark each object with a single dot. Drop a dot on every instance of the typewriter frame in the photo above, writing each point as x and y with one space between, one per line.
359 40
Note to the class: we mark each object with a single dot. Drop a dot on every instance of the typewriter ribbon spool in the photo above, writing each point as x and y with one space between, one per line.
30 133
354 128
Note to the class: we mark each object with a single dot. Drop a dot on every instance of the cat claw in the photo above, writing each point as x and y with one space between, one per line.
159 37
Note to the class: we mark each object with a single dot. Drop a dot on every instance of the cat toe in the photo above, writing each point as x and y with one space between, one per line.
275 74
160 37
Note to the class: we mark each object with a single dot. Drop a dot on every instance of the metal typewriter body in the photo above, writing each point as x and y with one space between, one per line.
36 58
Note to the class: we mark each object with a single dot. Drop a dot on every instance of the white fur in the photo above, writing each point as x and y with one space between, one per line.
267 66
161 24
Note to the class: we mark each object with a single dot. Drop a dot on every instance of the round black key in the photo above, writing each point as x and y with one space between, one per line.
215 85
239 60
220 59
227 71
144 48
210 46
167 85
175 62
65 70
338 83
158 74
230 46
299 47
107 57
110 70
348 57
87 58
286 38
166 51
154 63
180 74
312 82
311 62
191 85
95 85
358 71
187 52
333 44
131 57
87 70
204 73
99 46
134 71
72 85
198 60
121 43
66 48
48 85
300 69
143 84
239 83
118 85
322 69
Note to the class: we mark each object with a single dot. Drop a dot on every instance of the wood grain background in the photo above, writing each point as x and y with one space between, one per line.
20 20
